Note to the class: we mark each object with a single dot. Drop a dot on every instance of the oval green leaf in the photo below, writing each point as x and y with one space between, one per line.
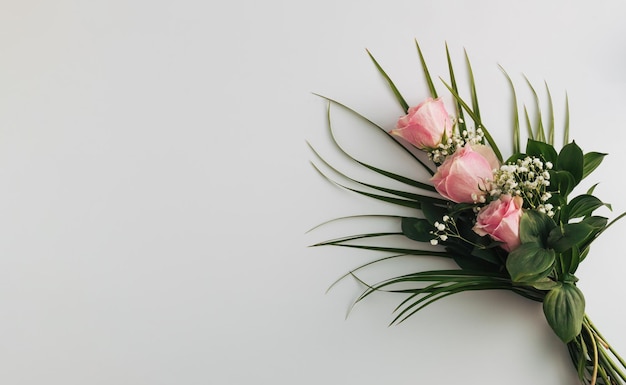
591 161
530 263
417 229
564 308
541 150
535 227
571 159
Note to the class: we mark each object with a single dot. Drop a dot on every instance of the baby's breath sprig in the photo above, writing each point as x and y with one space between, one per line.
529 178
446 229
443 230
457 140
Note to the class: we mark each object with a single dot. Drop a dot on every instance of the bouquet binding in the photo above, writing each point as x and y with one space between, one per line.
509 224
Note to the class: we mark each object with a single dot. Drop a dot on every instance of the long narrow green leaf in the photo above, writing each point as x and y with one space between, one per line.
516 129
388 174
399 193
490 140
550 116
433 297
354 217
459 108
438 277
566 125
397 250
400 202
472 83
429 80
529 126
351 272
393 87
349 238
399 178
426 168
540 132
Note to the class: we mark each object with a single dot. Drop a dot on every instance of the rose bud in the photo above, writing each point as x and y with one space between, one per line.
500 220
424 125
462 177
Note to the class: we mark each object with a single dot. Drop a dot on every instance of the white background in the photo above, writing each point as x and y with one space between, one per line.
156 188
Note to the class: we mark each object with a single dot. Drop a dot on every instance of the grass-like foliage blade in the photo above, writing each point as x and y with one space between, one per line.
429 79
434 285
515 115
540 133
472 83
529 126
406 150
566 124
393 87
413 204
476 120
551 128
459 107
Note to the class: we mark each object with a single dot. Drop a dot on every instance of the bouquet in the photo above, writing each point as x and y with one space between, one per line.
509 223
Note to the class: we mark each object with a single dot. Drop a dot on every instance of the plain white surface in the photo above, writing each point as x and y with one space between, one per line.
156 188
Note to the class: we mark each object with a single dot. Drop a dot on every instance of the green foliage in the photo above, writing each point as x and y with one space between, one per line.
530 262
571 159
535 227
564 308
542 268
417 229
541 150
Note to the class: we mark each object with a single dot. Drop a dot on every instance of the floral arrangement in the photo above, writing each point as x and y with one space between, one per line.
508 223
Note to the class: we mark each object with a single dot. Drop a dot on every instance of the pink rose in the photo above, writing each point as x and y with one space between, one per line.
500 220
425 124
462 177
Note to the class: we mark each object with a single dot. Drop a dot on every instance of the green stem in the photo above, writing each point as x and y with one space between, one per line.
609 347
594 375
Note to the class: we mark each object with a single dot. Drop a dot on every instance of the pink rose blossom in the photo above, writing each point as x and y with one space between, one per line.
487 153
500 220
425 124
462 177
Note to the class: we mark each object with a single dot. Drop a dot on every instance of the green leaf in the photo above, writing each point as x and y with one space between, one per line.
596 222
417 198
540 133
393 87
429 79
459 108
433 213
591 161
529 126
571 159
545 284
570 259
476 119
566 123
567 236
515 114
535 227
541 150
581 206
530 262
563 182
487 254
387 135
592 189
472 83
564 308
417 229
551 115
